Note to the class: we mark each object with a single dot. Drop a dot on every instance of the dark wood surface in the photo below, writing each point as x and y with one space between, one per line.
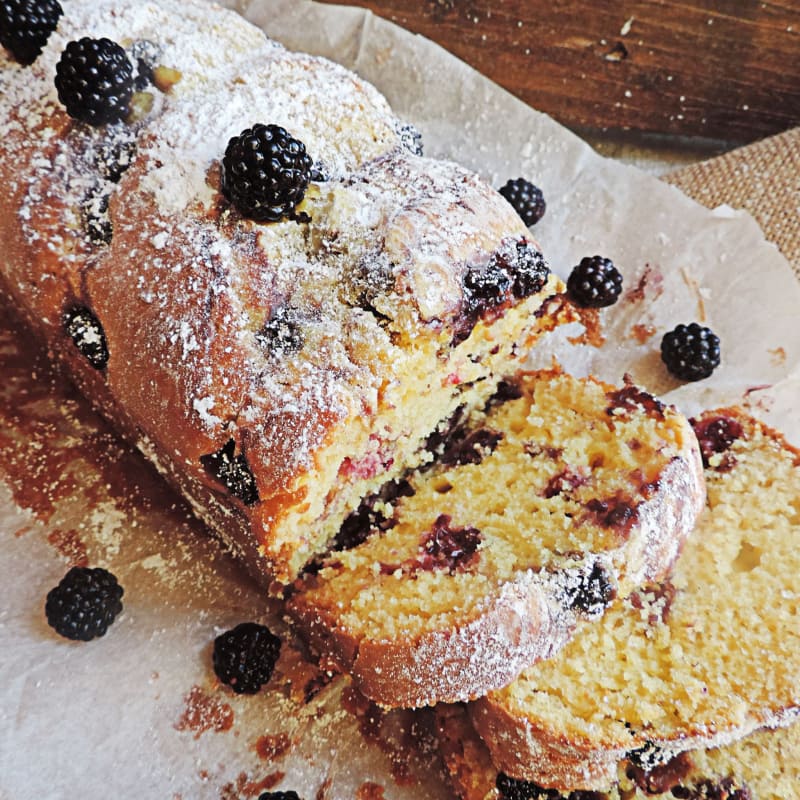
726 70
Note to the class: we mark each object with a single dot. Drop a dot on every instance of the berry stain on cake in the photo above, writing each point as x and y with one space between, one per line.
760 768
716 434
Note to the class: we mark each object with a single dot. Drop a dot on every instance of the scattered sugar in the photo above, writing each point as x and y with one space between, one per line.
203 406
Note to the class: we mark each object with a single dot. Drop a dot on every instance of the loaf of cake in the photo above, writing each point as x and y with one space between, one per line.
695 661
561 495
763 766
278 360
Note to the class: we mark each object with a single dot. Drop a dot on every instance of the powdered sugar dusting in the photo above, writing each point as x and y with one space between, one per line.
134 210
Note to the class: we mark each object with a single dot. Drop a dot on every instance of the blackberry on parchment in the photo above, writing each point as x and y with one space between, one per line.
594 283
526 198
84 603
245 657
290 795
690 352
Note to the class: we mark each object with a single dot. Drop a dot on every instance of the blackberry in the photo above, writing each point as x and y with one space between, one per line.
529 269
87 334
514 789
94 79
279 796
649 756
367 519
318 173
594 283
96 221
593 591
145 55
233 472
265 172
527 200
690 352
245 656
487 288
114 155
26 25
84 603
281 334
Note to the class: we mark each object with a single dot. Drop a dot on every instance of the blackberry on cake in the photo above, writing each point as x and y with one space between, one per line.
86 333
526 199
411 138
534 514
265 172
84 604
691 352
233 471
699 659
145 54
245 657
594 283
94 79
26 25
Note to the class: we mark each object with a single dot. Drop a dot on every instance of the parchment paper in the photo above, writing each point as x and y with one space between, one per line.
139 712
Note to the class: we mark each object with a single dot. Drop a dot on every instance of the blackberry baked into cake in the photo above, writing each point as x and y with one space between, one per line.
763 766
241 258
561 495
698 660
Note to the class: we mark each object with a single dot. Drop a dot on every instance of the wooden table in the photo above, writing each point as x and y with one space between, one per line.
721 72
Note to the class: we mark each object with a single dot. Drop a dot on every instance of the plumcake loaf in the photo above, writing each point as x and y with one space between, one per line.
276 371
763 766
698 660
563 493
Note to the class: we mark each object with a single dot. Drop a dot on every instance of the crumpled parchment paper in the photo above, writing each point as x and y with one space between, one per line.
139 712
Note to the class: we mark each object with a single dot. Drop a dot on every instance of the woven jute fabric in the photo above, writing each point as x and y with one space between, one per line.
763 178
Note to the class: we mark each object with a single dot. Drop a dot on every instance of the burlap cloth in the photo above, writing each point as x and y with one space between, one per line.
763 178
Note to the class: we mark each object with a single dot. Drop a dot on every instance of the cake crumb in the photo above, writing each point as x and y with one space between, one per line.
203 713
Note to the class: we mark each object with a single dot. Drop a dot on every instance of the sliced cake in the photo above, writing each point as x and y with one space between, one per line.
697 660
562 494
763 766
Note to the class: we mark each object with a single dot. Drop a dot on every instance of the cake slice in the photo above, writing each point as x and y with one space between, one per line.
763 766
560 495
694 661
275 371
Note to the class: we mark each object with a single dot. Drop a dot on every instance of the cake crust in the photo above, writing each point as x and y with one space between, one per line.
763 766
